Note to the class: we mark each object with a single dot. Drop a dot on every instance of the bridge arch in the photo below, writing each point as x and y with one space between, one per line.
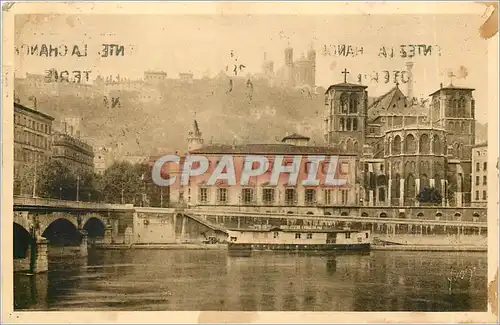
94 227
45 220
62 231
22 241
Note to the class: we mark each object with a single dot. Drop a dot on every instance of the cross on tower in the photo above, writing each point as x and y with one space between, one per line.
451 75
345 72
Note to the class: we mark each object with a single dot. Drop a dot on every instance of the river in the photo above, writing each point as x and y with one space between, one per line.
175 280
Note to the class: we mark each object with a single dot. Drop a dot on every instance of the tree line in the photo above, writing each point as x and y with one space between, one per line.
122 182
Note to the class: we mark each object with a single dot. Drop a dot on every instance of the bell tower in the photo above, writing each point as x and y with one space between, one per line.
195 139
345 115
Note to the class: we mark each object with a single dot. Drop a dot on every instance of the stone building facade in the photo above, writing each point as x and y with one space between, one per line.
403 146
32 140
480 174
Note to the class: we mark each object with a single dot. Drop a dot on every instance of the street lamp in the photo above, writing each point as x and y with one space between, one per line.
77 187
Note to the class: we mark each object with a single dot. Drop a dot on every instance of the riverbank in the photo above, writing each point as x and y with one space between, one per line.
162 246
430 248
186 246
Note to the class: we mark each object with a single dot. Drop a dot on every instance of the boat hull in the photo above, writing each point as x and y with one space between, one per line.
299 247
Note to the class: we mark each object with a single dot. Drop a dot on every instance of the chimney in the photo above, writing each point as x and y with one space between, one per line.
409 67
441 86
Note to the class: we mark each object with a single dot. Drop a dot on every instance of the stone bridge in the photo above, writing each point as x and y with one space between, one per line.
39 221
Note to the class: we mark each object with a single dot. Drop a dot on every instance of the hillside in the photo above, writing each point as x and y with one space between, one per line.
141 127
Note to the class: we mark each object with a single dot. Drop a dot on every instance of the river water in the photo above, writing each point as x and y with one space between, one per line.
175 280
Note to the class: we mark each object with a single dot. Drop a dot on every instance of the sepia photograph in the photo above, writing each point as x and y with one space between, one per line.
240 159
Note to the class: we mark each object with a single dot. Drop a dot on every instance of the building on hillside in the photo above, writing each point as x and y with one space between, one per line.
480 174
295 73
32 141
73 152
102 159
403 146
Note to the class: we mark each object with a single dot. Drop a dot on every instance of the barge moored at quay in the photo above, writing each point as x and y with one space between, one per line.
289 239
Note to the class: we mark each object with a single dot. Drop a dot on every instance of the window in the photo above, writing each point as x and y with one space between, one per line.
484 180
347 235
268 195
222 195
309 236
297 236
345 195
477 180
275 235
310 196
484 195
366 235
477 167
328 196
485 165
477 195
343 103
290 196
247 195
353 103
203 195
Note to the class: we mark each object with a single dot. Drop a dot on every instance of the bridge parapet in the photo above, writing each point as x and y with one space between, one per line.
27 202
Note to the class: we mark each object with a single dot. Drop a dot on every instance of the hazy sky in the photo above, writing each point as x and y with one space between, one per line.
202 44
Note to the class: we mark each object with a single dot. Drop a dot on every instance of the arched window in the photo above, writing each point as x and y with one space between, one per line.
353 103
350 145
342 124
344 214
364 215
461 107
455 108
355 124
381 194
356 146
348 127
424 143
383 215
396 145
342 145
396 187
343 103
410 145
436 145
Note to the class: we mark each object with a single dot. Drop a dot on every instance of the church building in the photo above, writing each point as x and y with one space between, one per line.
405 147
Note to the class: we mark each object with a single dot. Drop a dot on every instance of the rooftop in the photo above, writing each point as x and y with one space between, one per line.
451 87
278 148
346 85
21 107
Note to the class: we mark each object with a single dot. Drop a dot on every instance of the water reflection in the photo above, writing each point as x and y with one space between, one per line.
216 280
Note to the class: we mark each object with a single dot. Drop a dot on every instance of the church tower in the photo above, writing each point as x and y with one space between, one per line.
453 108
195 139
289 73
311 56
345 115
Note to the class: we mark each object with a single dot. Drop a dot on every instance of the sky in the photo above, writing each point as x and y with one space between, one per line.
203 45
